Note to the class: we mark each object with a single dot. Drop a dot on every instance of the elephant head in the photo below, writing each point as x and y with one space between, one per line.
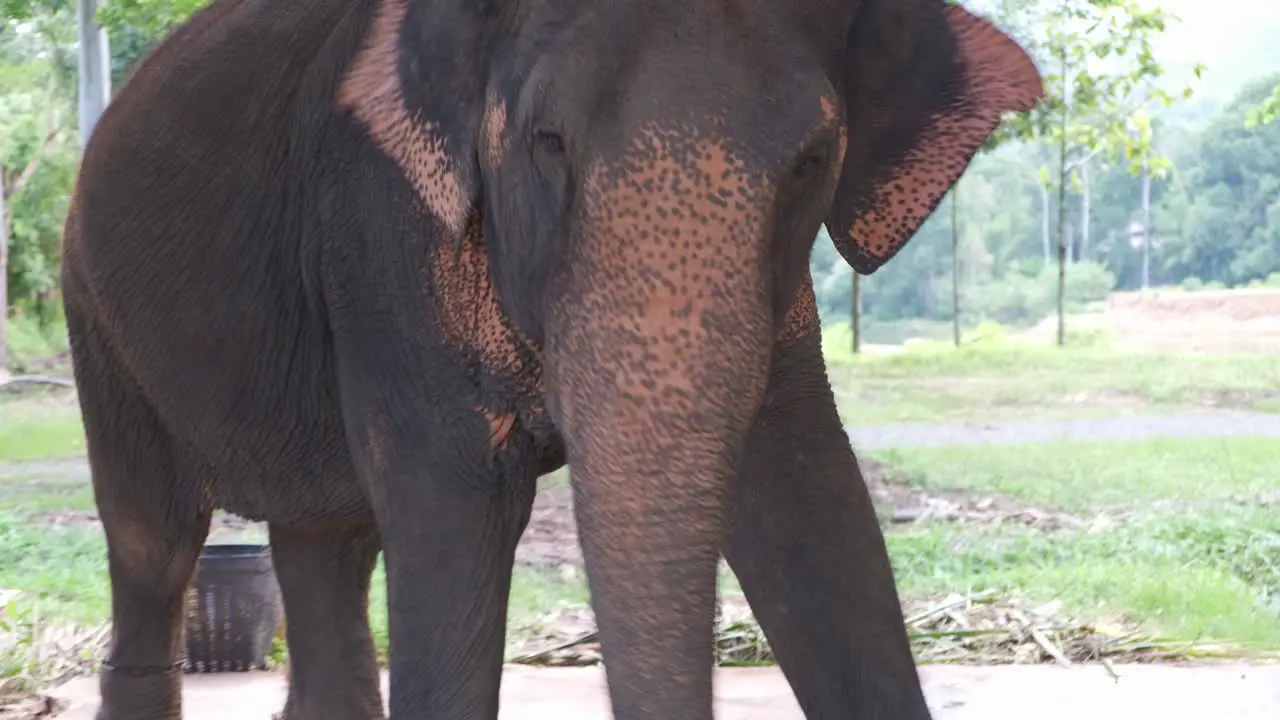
651 177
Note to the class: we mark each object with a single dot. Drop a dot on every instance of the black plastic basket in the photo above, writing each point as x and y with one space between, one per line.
233 609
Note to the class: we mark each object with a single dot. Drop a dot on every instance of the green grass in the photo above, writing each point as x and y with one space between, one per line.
61 570
1200 567
1209 578
1211 573
62 573
40 427
1270 405
1206 565
919 385
990 378
25 496
1078 476
1004 379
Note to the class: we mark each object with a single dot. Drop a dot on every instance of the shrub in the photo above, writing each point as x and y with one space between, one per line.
987 333
1019 299
31 341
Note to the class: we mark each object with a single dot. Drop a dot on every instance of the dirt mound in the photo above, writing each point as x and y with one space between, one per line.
1210 321
1244 304
1205 321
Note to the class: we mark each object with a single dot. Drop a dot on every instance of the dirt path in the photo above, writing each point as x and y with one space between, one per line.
1201 424
68 469
1205 424
1231 692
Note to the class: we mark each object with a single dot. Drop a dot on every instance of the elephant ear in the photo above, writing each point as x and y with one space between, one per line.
416 86
926 84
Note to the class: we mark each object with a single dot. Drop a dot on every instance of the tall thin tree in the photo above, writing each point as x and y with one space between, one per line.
1062 208
855 312
1146 225
955 265
4 278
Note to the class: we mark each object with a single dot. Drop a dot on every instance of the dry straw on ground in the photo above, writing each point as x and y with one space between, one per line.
981 629
36 655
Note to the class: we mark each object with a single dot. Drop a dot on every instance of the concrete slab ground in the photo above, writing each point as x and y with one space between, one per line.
1216 692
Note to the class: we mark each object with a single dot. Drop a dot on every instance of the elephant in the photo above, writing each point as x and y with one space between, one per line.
365 270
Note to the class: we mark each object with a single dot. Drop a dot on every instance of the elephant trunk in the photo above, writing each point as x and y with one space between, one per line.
658 354
653 438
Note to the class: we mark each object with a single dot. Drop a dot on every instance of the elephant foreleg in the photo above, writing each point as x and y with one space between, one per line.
449 498
324 577
811 558
449 531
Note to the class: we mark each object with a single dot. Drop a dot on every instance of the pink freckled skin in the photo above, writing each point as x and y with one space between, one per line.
371 91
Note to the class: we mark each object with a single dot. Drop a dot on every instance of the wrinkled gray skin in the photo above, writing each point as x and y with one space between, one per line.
365 269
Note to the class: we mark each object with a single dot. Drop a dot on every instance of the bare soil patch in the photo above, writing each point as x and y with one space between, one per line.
897 501
1205 321
1242 304
222 528
551 541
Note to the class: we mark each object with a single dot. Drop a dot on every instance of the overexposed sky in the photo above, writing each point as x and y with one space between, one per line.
1237 40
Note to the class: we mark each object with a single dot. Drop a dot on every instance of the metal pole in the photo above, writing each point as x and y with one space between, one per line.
94 64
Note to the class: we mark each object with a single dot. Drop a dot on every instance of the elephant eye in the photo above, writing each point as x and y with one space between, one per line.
808 165
549 142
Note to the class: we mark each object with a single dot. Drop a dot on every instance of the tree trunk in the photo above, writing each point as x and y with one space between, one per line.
1146 227
855 313
1044 221
1085 220
1062 217
955 266
94 67
4 279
